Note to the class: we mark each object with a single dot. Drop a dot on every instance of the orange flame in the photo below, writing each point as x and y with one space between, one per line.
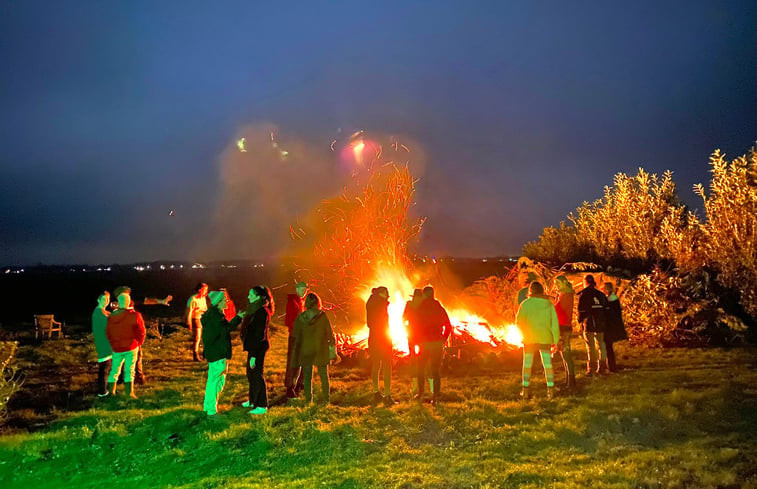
463 321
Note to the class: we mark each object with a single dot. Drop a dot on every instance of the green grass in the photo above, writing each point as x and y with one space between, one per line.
675 418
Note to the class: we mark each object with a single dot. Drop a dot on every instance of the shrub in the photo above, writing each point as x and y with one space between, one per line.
730 229
10 378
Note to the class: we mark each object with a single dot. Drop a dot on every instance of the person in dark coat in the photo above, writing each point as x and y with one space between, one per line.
592 314
616 329
216 342
379 342
293 374
435 328
254 335
314 345
410 318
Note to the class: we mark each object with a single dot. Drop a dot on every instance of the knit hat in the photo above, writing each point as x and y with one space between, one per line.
215 296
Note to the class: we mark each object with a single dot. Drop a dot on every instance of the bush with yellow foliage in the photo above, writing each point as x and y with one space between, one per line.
640 224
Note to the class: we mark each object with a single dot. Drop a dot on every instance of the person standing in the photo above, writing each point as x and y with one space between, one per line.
537 321
102 345
216 340
254 335
523 293
592 309
564 308
139 375
379 343
410 317
616 330
314 345
435 328
293 373
126 333
196 307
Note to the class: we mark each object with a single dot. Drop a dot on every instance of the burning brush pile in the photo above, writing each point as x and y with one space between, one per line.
359 240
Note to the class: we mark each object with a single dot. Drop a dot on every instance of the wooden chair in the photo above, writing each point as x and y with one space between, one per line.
46 324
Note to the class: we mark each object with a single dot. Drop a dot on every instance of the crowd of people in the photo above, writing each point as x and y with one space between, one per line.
545 321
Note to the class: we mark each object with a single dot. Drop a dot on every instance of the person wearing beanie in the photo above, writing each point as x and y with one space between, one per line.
216 340
410 318
592 314
379 343
126 333
537 321
293 381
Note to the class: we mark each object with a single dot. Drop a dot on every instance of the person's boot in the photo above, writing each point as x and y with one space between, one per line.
130 390
572 382
388 401
550 393
112 388
377 398
525 393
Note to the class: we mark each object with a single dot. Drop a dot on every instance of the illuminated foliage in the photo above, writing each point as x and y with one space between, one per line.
640 224
637 223
730 229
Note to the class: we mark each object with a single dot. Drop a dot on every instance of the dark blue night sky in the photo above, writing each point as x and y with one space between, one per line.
115 112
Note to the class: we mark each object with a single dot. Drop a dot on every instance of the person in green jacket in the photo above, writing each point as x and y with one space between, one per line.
216 341
537 321
314 345
102 345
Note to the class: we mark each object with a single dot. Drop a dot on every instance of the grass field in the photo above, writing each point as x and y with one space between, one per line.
673 418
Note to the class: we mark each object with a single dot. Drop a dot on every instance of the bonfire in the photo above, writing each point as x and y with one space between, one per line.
360 239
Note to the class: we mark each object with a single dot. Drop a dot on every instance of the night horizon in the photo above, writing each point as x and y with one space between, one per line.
119 122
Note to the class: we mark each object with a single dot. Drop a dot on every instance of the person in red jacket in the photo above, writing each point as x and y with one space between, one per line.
126 333
435 328
564 307
293 381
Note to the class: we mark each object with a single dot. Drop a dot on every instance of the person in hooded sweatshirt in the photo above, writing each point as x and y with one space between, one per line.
615 330
314 345
537 321
216 341
254 335
126 333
